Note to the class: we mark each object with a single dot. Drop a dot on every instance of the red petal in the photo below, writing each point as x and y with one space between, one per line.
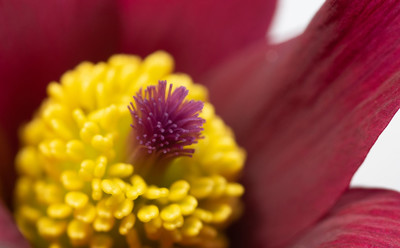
6 163
199 34
361 218
308 112
9 235
39 41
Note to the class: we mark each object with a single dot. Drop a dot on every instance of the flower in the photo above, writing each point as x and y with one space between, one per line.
307 111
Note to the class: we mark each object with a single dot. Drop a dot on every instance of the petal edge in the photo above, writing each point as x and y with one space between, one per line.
361 218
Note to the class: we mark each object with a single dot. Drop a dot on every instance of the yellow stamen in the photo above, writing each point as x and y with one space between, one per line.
80 185
147 213
59 211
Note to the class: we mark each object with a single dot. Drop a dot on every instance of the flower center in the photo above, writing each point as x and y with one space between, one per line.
89 176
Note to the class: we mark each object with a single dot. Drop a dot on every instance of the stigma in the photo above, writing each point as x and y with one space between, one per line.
164 122
89 173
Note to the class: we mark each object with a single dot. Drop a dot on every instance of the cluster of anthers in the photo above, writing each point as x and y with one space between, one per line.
94 173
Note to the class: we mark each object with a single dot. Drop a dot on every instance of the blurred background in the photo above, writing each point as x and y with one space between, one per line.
381 168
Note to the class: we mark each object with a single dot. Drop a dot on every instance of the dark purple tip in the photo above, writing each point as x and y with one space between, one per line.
164 122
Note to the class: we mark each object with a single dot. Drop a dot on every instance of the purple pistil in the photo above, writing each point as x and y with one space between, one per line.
164 122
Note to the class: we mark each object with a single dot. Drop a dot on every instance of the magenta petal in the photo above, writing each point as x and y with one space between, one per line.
39 41
361 218
10 237
199 33
308 111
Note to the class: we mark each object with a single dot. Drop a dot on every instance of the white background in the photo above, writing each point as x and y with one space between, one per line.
382 165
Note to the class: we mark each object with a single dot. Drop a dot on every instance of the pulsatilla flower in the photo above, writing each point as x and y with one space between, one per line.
307 111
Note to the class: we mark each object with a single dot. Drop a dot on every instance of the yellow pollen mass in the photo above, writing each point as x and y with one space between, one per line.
81 185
